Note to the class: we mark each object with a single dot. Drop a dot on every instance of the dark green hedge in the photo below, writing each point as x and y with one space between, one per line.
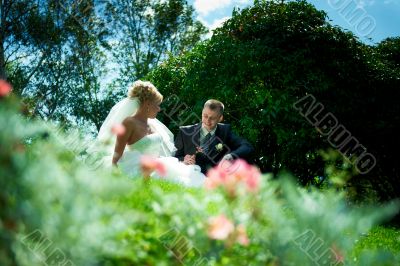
267 57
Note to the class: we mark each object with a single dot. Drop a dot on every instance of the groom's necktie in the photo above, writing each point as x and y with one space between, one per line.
206 143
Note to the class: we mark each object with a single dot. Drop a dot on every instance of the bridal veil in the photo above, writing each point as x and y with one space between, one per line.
127 107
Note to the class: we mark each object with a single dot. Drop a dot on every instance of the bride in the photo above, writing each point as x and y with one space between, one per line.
143 135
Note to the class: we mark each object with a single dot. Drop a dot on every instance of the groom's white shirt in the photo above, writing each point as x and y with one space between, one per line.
204 132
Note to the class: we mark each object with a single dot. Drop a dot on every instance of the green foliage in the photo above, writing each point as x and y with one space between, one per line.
54 56
56 208
72 60
267 57
379 239
144 32
389 49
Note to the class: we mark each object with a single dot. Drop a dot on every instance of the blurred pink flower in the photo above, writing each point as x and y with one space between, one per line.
220 227
241 235
215 178
150 164
232 175
5 88
338 254
118 129
253 179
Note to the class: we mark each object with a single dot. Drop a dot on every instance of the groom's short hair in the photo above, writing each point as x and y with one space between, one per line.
215 105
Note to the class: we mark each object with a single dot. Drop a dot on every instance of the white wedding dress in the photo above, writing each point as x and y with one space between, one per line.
159 144
151 145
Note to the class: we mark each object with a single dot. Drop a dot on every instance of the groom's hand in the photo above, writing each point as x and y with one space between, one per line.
189 159
228 157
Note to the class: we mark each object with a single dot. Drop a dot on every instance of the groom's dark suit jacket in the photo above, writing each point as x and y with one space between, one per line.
188 138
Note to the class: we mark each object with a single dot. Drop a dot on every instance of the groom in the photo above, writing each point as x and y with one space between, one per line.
209 142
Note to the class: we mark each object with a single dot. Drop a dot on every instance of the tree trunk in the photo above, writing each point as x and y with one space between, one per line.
3 74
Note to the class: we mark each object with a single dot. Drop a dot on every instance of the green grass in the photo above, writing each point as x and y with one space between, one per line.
379 238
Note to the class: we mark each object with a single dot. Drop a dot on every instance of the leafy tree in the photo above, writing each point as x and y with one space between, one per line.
145 31
21 39
267 57
55 58
86 96
57 53
389 49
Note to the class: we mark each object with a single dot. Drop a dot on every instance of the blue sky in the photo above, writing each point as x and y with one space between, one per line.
371 20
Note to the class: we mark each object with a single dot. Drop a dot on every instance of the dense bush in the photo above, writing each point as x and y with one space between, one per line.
267 57
58 207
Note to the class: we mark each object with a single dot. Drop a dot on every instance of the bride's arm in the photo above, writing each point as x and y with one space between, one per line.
121 142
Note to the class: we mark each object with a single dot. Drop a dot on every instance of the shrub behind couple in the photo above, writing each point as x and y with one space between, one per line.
185 160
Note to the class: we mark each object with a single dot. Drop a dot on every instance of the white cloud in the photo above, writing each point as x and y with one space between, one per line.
363 3
218 23
213 25
244 2
204 7
211 19
386 2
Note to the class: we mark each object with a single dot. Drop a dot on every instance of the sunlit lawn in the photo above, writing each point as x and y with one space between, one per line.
379 238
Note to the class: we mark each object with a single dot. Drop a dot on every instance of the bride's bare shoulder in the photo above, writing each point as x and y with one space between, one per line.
131 122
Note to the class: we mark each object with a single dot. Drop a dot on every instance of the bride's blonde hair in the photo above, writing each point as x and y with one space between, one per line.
144 91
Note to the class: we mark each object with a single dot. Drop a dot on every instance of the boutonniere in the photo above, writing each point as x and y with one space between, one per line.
219 147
